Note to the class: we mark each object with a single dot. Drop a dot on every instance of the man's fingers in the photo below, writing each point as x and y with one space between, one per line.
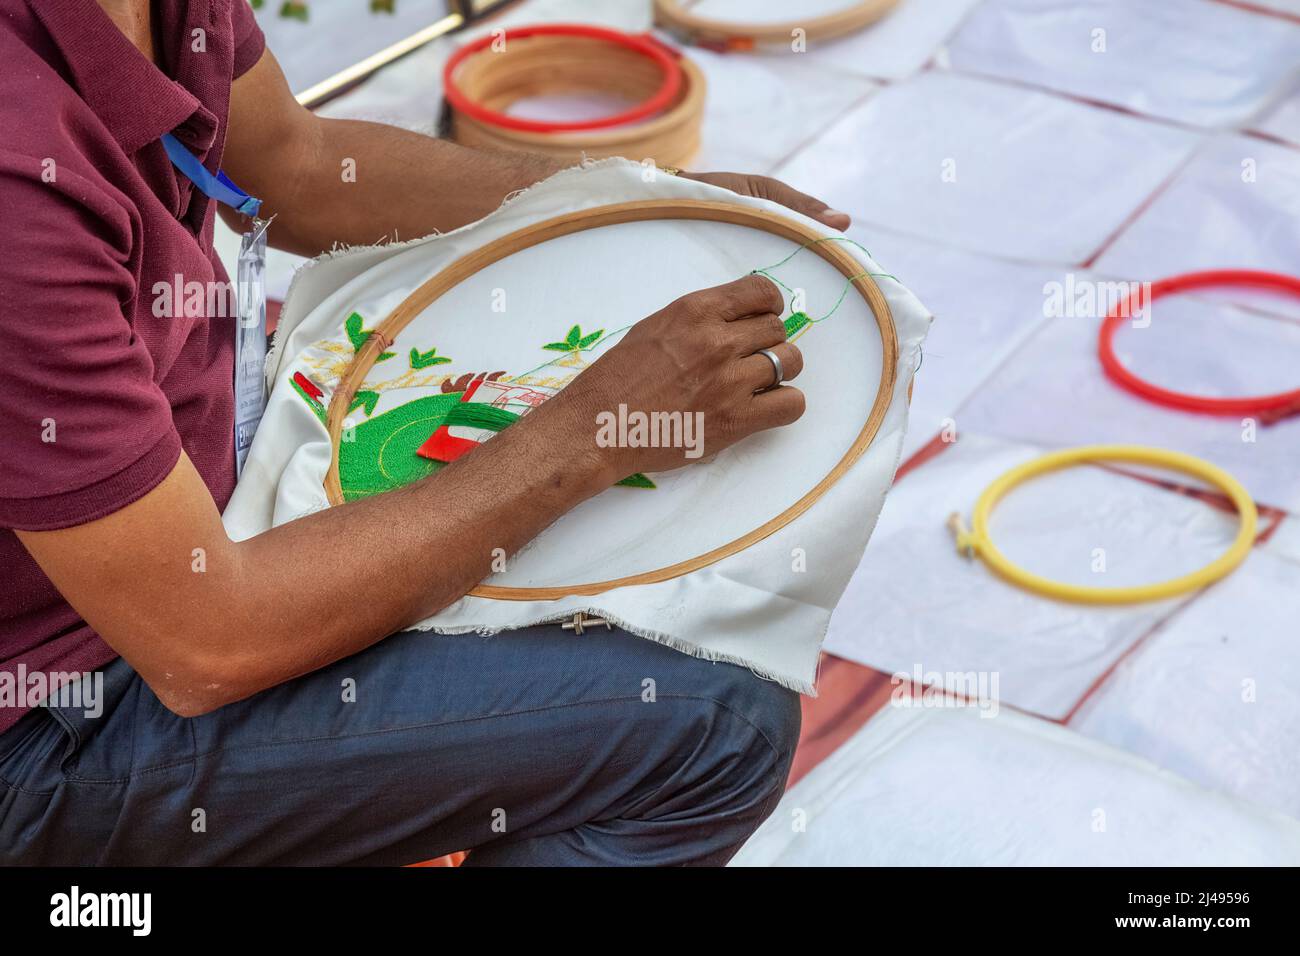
781 406
756 332
765 187
759 371
791 198
752 295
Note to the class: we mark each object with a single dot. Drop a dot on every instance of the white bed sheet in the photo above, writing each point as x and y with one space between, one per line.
337 35
1193 345
1021 188
949 787
1214 695
984 309
914 602
761 109
1285 541
1167 59
1283 120
898 45
1210 218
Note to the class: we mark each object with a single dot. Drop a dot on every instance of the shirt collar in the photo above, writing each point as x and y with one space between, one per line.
134 99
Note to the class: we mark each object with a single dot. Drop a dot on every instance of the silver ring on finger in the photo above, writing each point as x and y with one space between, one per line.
777 368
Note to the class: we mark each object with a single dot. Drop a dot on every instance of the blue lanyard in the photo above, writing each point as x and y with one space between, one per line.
218 187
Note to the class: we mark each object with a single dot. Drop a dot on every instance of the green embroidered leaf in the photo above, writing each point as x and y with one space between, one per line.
358 336
637 481
575 341
365 399
426 359
353 328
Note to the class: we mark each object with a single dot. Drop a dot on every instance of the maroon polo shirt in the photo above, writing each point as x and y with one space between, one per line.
98 395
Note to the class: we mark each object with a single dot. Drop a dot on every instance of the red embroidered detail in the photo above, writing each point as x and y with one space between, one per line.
308 386
462 383
442 444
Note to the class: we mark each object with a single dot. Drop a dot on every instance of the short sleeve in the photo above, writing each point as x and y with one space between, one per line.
249 41
85 429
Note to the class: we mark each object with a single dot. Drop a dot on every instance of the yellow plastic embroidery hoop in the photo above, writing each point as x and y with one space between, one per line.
976 542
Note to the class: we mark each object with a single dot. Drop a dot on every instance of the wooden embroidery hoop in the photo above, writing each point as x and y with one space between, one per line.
740 35
545 59
385 334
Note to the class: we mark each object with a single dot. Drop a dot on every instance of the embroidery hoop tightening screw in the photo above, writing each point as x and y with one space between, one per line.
580 622
962 534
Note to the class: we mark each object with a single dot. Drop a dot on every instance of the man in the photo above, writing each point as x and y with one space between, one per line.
254 708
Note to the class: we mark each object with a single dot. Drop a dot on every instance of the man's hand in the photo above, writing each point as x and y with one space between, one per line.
695 356
764 187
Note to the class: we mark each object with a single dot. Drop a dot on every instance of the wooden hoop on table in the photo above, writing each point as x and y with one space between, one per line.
738 35
539 64
386 332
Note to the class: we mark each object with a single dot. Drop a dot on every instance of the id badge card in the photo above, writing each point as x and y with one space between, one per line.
250 340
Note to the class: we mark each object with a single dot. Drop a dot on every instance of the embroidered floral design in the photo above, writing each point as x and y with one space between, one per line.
383 451
426 359
358 336
366 400
575 341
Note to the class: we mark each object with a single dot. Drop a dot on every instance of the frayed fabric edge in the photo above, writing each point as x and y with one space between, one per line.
272 362
659 637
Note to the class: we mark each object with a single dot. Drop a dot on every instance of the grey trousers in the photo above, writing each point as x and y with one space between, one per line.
533 747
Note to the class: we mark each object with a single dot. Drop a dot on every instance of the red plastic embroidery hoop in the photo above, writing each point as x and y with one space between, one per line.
644 45
1268 408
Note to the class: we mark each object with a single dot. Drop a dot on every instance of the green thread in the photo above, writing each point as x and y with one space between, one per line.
816 242
478 415
549 362
798 321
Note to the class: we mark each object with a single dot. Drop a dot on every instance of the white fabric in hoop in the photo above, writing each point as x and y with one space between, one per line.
766 607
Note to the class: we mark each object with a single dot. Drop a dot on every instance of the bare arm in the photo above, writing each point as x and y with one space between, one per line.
208 626
345 181
205 628
249 615
330 180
